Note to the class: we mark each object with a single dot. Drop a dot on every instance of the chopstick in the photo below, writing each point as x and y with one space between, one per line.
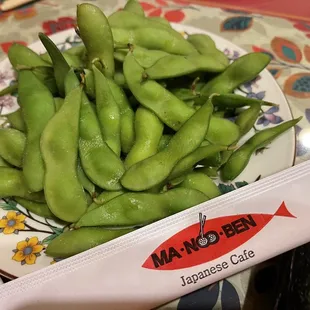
12 4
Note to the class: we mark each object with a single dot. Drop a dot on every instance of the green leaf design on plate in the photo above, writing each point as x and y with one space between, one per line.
241 184
57 230
9 205
226 188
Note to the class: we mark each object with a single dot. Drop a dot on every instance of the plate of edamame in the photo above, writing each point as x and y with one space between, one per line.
139 115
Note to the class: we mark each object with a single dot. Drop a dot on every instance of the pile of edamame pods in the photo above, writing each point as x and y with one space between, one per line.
126 128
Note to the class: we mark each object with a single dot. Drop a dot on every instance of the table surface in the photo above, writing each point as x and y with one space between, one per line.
286 40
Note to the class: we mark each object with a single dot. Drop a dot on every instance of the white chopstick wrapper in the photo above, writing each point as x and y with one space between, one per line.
141 270
12 4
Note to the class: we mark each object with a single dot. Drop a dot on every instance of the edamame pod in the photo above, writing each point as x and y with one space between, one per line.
74 242
222 131
58 103
38 208
108 112
160 19
4 163
37 109
9 89
153 39
184 94
46 76
164 141
240 158
60 65
146 58
128 20
242 70
206 46
202 183
12 183
127 117
101 165
133 209
155 169
134 6
187 163
95 32
84 180
247 118
16 120
237 101
59 146
148 129
169 109
103 198
175 66
22 56
12 143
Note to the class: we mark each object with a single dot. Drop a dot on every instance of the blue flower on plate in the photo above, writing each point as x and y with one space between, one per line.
270 117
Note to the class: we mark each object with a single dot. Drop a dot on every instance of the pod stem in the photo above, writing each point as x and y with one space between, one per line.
8 90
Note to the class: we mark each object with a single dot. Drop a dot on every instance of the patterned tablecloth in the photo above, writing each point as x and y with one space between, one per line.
286 41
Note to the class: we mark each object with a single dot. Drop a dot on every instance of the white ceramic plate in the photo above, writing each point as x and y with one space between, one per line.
23 235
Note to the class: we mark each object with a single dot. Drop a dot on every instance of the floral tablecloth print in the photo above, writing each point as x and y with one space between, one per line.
286 41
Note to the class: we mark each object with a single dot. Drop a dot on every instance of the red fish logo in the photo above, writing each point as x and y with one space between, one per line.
189 248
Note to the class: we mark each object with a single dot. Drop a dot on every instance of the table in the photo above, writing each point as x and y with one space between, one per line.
287 41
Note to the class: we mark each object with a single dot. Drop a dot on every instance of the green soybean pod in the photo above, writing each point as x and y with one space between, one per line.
211 172
164 141
12 143
46 75
241 157
247 118
89 83
148 129
9 89
84 180
127 117
20 56
58 103
128 20
147 58
154 39
38 208
222 131
119 79
93 27
74 242
38 108
160 19
103 198
155 169
202 183
134 6
133 209
206 46
176 65
59 146
4 163
170 110
92 149
60 65
12 184
16 120
237 101
242 70
108 112
186 164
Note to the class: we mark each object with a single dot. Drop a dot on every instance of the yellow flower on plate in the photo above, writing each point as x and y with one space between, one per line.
12 223
27 251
